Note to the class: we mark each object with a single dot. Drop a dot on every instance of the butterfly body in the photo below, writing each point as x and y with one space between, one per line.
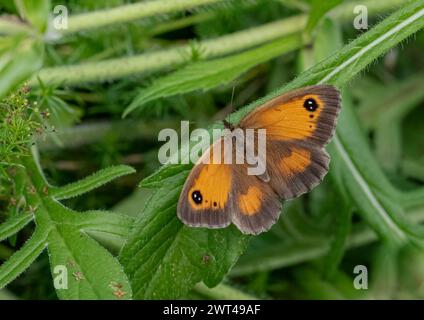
296 126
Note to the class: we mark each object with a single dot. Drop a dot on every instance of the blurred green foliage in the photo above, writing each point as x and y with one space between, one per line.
65 124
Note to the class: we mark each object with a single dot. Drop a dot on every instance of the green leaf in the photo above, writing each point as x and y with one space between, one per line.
14 224
385 111
92 271
160 177
164 259
20 57
23 258
328 39
365 182
104 221
317 10
91 182
206 75
36 12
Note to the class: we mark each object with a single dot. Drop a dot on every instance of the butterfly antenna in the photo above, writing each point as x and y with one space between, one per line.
231 103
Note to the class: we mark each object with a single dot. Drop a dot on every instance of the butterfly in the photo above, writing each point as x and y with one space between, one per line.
298 125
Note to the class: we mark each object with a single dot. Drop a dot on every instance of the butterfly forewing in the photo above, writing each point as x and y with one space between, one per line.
305 115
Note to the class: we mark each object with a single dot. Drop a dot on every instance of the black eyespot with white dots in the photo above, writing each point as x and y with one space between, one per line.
197 197
310 104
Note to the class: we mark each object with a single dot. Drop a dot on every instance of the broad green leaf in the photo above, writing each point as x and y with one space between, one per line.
159 178
206 75
23 258
20 57
36 12
108 228
89 183
93 273
104 221
164 259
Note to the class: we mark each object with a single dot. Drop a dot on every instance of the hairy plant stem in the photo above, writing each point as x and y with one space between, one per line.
158 60
90 133
130 12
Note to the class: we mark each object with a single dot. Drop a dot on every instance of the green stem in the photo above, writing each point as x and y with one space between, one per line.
9 26
120 67
179 23
149 62
130 12
412 199
90 133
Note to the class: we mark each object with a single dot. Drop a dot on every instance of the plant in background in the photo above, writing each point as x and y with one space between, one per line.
59 229
144 251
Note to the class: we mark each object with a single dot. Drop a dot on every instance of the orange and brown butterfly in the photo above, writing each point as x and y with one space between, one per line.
298 125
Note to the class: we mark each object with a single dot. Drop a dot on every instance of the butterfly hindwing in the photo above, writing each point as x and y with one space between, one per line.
256 205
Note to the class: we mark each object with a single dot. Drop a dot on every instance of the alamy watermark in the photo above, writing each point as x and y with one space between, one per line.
361 20
236 146
360 282
60 17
